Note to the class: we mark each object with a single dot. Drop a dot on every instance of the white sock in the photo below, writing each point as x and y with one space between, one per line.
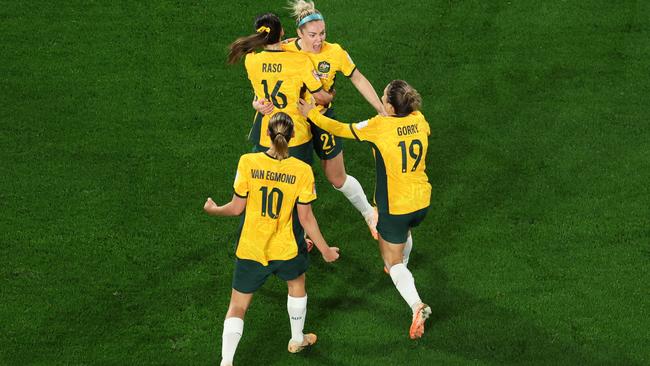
233 328
405 284
353 191
297 309
407 250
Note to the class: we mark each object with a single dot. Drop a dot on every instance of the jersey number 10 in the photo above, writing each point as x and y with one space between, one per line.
271 202
275 94
416 155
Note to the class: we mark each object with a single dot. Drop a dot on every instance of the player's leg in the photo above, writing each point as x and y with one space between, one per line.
415 219
393 234
329 150
247 278
407 249
334 169
297 309
233 325
293 271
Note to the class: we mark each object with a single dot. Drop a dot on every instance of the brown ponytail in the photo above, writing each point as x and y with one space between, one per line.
268 30
281 130
403 97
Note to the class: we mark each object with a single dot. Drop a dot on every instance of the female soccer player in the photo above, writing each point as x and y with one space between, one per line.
278 77
329 59
402 190
272 190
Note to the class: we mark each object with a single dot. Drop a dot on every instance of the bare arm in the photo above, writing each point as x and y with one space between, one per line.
309 223
233 208
365 88
323 98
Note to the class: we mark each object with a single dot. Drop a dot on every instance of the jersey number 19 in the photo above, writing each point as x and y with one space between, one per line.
416 155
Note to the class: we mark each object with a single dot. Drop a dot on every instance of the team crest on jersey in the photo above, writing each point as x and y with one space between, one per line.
323 67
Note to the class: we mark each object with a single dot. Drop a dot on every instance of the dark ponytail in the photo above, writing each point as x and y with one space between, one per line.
281 130
403 97
268 30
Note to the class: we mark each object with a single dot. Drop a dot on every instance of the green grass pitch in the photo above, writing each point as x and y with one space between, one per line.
119 118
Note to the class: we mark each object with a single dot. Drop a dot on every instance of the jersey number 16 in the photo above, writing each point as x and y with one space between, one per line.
275 94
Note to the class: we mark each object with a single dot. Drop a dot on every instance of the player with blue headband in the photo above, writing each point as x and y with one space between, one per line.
329 59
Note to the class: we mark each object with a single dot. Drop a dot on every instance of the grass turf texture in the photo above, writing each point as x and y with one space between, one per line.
119 119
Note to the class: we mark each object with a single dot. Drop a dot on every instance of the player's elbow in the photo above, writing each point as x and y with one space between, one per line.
305 215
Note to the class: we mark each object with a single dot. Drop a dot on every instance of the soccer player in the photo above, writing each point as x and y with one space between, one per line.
329 59
402 190
278 78
272 190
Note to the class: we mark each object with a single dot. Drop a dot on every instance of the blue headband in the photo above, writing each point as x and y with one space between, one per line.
309 18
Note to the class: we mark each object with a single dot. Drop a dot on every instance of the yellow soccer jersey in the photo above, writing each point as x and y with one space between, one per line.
271 230
331 59
281 77
400 147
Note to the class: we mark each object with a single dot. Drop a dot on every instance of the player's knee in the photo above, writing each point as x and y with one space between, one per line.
391 259
337 179
235 310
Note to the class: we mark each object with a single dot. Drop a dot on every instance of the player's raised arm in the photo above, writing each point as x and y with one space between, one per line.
332 126
365 88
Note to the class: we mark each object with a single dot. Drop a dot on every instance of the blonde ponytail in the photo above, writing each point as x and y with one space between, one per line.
281 147
301 8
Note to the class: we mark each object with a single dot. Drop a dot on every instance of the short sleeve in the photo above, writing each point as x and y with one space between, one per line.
347 65
241 181
364 130
310 78
307 189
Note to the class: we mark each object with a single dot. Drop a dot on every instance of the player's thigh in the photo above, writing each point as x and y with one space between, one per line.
291 269
249 275
393 228
326 145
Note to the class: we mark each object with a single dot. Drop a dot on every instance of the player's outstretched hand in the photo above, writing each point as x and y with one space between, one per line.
331 254
209 206
263 106
305 107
